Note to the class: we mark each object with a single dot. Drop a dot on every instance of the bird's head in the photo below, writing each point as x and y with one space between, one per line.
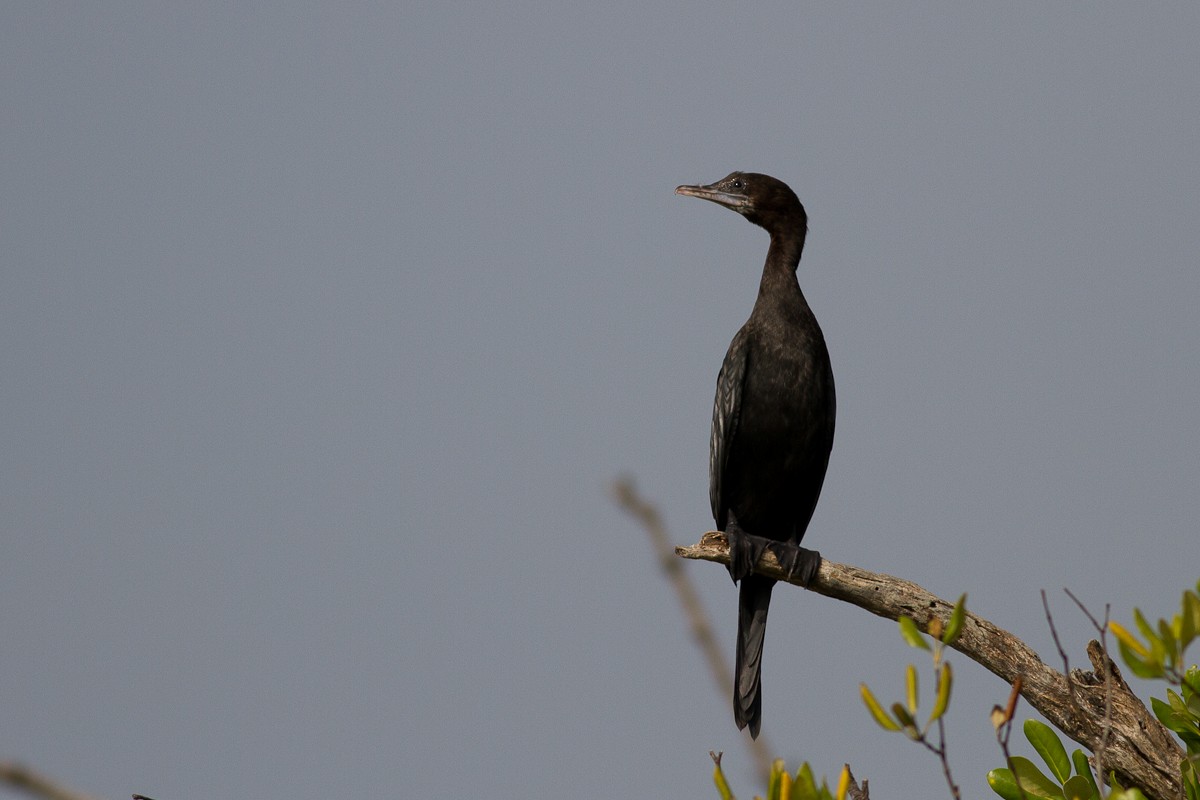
767 202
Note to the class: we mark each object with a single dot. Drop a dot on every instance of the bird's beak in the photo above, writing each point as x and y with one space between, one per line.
737 202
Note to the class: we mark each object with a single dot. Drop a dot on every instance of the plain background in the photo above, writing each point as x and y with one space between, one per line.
327 327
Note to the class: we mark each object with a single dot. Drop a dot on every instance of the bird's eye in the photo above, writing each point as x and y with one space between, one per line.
737 184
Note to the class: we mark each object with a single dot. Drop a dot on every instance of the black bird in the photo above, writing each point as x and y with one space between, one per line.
772 427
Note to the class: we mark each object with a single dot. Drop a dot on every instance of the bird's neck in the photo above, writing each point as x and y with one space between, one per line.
779 273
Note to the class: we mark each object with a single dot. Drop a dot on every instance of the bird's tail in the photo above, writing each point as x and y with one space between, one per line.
754 597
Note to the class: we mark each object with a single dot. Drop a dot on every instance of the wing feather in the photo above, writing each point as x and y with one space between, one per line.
726 412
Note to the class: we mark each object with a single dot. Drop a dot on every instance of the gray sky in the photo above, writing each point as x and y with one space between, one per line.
326 328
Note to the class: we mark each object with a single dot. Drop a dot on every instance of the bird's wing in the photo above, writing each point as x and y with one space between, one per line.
726 411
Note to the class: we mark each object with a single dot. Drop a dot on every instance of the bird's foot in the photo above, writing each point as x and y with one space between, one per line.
744 551
798 563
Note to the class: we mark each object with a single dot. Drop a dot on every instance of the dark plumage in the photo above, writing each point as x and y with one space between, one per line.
772 426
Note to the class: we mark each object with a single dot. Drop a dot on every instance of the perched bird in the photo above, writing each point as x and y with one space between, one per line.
772 427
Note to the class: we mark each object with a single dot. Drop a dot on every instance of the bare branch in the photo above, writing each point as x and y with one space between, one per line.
939 750
1100 658
856 791
1054 633
26 780
626 496
1002 719
1140 750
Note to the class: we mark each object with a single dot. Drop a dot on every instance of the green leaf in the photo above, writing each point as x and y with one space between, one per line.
881 716
1181 717
1191 689
1167 714
1127 639
1190 624
1143 668
1049 747
1127 794
1191 783
804 785
1158 648
773 783
954 626
1144 626
906 719
1191 698
783 789
1113 782
1084 769
1002 783
1170 643
1033 781
945 679
910 688
843 786
912 634
722 784
1077 788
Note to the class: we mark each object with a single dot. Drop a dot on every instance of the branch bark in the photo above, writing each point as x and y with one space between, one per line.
1139 749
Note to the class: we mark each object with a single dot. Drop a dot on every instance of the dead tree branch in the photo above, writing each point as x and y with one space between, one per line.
1138 748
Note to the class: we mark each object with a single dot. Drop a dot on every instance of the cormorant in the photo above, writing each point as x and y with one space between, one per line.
772 427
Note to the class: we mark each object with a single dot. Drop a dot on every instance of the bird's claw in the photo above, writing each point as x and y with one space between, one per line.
744 551
798 563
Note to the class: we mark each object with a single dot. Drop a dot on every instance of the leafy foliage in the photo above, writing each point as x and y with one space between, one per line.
1034 783
903 716
1161 653
1158 654
784 786
1157 651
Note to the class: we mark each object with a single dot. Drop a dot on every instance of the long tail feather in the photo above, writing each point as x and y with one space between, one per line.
754 597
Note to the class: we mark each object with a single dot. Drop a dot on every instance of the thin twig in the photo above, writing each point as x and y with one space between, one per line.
34 783
625 494
921 736
1004 731
940 751
1054 633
